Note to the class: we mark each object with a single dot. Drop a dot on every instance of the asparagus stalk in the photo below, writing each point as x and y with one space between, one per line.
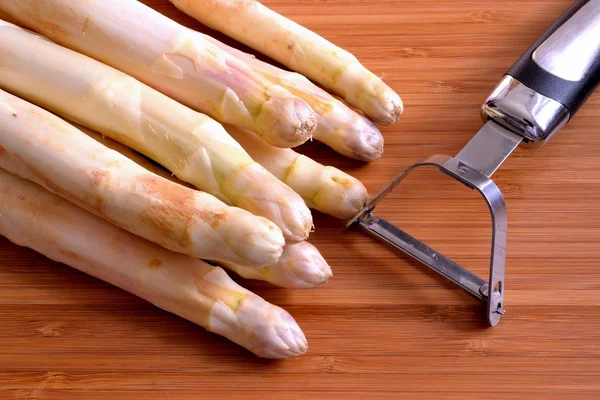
133 155
134 38
324 188
191 145
301 50
341 128
33 217
301 266
45 149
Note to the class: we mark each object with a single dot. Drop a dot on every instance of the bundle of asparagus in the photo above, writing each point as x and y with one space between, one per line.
169 57
148 224
300 266
301 50
33 217
227 84
43 148
191 145
339 127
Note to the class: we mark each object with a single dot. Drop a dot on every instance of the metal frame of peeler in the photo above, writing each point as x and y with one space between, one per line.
536 98
465 279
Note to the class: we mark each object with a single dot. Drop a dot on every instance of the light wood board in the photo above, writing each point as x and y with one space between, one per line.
384 327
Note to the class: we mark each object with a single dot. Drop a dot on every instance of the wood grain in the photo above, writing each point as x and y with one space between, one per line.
384 327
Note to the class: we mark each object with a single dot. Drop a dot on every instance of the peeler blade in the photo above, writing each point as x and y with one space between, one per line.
489 148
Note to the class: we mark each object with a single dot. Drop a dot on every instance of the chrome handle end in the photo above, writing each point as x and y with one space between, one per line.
524 111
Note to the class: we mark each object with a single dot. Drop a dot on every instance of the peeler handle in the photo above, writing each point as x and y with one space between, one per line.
550 82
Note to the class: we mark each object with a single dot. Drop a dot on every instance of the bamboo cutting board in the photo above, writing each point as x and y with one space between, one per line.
384 327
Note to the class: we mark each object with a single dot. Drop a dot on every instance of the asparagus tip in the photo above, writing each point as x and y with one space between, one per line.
397 110
308 265
286 121
386 109
291 334
364 141
275 334
322 276
256 241
302 225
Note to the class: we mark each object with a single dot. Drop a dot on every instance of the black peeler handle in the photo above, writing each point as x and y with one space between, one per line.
564 63
553 78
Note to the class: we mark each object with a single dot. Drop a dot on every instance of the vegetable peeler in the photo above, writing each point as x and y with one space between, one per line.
536 98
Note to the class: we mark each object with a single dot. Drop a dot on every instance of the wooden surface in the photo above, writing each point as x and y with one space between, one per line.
384 327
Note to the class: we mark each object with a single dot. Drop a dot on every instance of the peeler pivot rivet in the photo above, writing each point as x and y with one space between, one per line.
484 290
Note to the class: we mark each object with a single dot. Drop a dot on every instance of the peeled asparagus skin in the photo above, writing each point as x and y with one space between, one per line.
324 188
145 44
341 128
301 50
33 217
194 147
301 266
39 146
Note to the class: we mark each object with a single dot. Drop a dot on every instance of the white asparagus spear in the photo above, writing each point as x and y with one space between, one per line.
43 148
173 59
193 146
301 266
301 50
33 217
324 188
339 127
